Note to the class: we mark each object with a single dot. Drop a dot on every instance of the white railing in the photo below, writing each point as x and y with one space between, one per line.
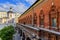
51 31
29 32
43 29
31 27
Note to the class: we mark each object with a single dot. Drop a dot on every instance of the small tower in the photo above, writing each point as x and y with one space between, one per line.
9 12
10 8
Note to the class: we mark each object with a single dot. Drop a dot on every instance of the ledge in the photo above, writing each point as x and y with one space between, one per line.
50 31
43 29
31 27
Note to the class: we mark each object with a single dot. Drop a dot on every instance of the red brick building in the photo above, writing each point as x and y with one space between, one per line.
42 20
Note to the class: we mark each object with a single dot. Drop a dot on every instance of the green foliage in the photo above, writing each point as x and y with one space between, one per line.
7 33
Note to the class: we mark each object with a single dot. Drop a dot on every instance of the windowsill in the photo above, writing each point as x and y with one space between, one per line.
42 26
54 27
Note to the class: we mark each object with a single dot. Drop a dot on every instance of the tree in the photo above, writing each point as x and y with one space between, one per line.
7 33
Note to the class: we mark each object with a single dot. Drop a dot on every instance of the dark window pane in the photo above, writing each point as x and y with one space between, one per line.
42 21
54 22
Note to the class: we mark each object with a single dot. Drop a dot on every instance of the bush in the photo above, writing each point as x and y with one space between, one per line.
7 33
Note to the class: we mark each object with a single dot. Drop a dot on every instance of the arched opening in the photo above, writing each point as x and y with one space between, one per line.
53 18
23 36
35 19
39 39
41 18
24 23
20 32
58 11
28 38
30 19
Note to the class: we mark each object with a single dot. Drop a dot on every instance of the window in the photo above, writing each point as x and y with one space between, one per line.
54 22
41 17
34 21
30 19
53 17
42 22
35 18
53 8
10 15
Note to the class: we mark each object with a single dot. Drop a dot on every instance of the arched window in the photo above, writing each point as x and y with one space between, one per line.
26 20
54 22
58 22
41 18
30 19
35 19
53 17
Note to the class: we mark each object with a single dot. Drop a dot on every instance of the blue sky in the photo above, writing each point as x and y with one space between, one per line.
17 5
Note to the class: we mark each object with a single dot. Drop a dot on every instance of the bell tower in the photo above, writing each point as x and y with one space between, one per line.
9 13
10 8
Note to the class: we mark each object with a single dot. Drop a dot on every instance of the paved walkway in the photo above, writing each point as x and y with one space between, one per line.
16 36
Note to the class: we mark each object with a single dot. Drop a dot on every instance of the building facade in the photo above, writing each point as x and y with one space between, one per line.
3 14
9 17
41 21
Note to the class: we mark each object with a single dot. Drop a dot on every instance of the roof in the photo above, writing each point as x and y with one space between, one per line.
10 12
3 11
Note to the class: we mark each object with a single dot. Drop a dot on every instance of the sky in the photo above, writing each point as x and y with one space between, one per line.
17 5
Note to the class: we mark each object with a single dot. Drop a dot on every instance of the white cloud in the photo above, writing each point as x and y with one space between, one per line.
1 8
19 7
30 1
16 8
